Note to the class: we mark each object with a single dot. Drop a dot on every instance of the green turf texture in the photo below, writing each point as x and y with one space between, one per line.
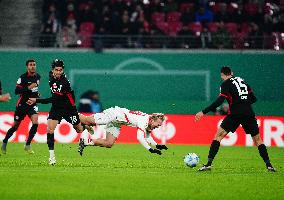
128 171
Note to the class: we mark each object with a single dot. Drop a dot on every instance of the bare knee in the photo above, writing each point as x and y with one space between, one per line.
257 140
79 128
221 133
50 130
108 144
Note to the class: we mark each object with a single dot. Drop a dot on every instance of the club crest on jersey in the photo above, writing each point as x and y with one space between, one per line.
55 88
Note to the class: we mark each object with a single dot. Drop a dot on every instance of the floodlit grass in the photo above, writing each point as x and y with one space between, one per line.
130 172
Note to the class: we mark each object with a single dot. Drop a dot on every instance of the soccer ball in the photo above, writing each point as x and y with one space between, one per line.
191 160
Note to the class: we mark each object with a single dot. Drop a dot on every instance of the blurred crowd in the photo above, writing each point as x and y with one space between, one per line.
218 24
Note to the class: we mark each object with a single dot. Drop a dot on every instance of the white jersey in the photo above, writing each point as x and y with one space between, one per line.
115 117
123 116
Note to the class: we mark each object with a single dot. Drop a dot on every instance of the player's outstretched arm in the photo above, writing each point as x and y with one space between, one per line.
142 140
42 101
5 97
152 142
198 115
212 107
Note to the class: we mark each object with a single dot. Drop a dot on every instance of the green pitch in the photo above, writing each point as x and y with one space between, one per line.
130 172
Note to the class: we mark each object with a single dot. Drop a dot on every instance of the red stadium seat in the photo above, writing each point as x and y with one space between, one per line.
86 40
87 27
195 27
213 27
163 26
174 28
158 17
251 8
215 7
231 27
185 6
246 28
173 17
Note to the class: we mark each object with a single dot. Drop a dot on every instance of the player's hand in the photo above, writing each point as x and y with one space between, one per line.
5 97
33 85
198 116
161 147
155 151
31 101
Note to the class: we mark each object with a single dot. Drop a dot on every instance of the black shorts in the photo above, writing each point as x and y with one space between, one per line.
232 122
70 115
24 109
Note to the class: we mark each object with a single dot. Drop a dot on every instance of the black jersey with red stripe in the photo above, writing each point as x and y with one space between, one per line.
239 96
62 95
23 82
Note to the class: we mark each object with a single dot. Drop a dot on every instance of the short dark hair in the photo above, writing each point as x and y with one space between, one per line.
28 61
57 63
226 70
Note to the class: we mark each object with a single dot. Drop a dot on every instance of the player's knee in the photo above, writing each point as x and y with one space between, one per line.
50 130
109 144
221 133
257 140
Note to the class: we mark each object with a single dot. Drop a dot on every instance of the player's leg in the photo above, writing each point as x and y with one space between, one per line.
227 125
105 117
112 134
32 132
88 120
250 126
51 125
19 115
214 148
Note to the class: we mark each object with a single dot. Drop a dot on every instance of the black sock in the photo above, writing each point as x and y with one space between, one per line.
9 134
263 153
213 151
32 133
50 141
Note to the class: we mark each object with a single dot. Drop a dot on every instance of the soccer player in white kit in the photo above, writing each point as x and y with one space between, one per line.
114 118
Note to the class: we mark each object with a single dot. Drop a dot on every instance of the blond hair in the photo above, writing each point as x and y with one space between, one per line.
156 116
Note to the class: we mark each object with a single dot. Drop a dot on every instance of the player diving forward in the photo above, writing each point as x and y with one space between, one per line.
114 118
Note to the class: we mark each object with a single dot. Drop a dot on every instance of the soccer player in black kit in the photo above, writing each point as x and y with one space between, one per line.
26 87
63 105
240 97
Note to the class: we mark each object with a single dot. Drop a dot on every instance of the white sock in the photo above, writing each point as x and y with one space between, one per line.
51 153
88 142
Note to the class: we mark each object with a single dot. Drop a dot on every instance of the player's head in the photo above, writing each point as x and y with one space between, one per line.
156 120
226 73
57 68
31 66
57 63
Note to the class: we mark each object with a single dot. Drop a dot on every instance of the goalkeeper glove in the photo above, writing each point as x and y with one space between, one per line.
161 147
155 151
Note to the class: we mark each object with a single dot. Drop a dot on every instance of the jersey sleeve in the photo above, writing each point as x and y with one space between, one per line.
20 87
141 138
251 95
224 90
67 86
44 101
150 140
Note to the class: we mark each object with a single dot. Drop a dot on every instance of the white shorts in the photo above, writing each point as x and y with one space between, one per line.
111 118
113 129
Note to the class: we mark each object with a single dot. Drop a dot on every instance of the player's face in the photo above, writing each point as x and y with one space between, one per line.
31 68
224 77
57 72
155 123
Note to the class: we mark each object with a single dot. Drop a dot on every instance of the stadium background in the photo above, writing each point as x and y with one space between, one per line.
153 56
178 83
